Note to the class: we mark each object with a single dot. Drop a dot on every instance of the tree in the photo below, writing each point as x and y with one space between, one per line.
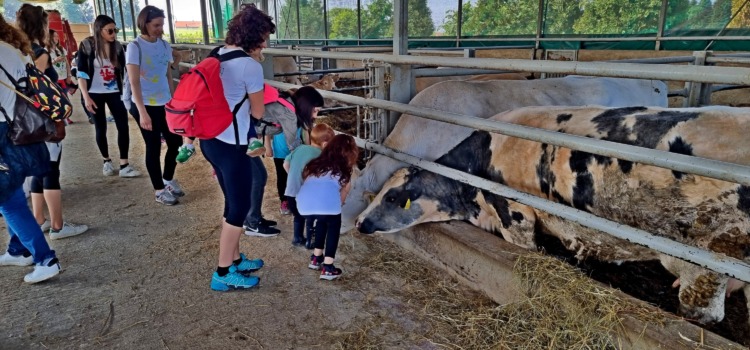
343 23
420 19
311 18
74 13
618 17
377 19
742 20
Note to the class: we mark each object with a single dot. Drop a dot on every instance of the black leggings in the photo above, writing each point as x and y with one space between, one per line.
327 232
152 138
281 176
235 175
112 100
50 180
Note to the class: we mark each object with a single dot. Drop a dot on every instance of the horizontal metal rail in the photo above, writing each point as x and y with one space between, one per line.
734 60
333 109
435 72
657 60
725 75
533 38
320 71
717 262
716 88
688 164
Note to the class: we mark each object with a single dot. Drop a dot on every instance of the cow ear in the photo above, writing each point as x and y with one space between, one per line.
369 196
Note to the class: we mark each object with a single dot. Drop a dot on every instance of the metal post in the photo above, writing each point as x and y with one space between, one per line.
695 89
460 15
204 19
122 21
325 23
170 22
132 17
96 8
299 25
540 24
112 6
359 22
402 82
662 23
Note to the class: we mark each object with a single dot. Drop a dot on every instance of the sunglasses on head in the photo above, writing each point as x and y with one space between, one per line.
110 31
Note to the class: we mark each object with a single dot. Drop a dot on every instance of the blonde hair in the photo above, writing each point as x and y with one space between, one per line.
321 133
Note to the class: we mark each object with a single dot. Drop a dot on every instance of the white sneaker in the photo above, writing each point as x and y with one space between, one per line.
46 225
67 230
174 187
16 260
43 271
166 197
129 171
108 169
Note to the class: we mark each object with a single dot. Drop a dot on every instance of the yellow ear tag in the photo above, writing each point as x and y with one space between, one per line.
408 204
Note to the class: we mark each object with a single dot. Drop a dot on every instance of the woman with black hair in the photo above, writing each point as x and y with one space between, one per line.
100 63
307 102
242 79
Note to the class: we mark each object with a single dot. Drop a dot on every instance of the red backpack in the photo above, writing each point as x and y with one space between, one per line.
199 107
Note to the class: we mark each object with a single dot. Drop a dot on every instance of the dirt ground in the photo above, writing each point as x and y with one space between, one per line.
139 278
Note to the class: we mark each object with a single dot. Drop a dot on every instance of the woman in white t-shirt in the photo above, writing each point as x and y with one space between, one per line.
242 79
148 58
27 245
100 64
59 57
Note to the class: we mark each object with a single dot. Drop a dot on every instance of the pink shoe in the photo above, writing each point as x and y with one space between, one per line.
284 209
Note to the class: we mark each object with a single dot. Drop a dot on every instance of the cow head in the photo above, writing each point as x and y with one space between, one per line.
410 197
327 82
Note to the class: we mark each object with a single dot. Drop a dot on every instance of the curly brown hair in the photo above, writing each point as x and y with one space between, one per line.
14 37
338 158
32 20
248 29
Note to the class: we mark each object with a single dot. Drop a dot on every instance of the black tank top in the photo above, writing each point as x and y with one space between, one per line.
50 72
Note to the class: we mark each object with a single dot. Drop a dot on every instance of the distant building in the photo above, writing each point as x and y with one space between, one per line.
187 24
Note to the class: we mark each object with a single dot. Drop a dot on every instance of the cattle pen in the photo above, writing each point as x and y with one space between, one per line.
692 74
701 67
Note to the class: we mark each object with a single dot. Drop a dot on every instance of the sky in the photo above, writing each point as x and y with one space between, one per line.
189 10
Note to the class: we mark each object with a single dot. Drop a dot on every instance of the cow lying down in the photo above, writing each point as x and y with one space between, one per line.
695 210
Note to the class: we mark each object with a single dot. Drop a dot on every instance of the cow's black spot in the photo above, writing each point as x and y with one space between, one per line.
543 171
678 145
563 118
501 207
452 197
517 216
744 201
625 165
583 190
610 123
650 129
472 155
559 198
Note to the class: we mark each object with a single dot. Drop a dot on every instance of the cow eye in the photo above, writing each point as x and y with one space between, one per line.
390 199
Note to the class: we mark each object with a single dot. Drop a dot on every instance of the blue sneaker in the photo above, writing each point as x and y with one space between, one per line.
233 280
247 265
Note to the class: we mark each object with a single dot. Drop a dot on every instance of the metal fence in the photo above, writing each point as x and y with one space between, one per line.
694 165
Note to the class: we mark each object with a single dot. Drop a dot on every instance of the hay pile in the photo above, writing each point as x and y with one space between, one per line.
564 309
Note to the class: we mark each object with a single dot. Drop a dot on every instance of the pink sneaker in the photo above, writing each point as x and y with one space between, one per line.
284 209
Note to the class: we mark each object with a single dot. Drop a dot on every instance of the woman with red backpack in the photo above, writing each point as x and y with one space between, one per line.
242 79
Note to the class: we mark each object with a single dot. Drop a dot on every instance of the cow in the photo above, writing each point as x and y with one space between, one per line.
429 139
703 212
286 64
422 83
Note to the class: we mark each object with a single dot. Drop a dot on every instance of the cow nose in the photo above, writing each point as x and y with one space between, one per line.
365 226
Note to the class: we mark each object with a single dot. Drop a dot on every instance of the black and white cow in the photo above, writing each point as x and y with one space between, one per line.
700 211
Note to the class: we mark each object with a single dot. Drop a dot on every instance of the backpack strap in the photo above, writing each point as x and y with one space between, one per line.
10 77
224 58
